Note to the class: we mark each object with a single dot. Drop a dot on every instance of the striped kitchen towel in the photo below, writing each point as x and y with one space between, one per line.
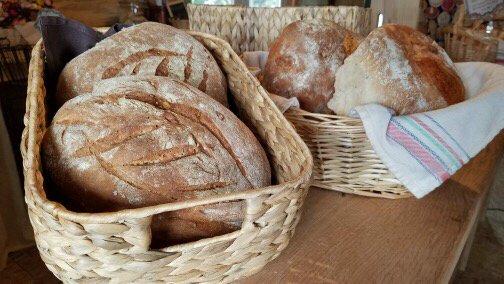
423 150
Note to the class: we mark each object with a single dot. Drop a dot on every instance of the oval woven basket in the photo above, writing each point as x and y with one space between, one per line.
343 157
114 247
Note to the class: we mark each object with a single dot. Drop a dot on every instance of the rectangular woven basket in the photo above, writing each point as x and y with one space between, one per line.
114 247
254 28
344 159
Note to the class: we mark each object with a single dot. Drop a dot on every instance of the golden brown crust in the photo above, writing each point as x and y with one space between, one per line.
427 61
399 68
145 140
350 43
303 61
139 50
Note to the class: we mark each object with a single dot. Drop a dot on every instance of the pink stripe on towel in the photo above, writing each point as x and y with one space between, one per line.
439 138
418 151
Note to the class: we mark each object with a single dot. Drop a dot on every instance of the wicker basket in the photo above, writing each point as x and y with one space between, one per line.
464 45
471 43
115 246
343 157
254 28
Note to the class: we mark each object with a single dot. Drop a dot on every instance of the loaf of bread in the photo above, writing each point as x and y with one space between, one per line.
145 49
144 140
400 68
304 59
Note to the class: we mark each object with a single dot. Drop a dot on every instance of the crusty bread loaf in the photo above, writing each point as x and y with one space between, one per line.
145 140
400 68
145 49
303 61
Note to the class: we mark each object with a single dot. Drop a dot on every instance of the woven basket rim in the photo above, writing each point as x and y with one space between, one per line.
283 8
331 116
36 188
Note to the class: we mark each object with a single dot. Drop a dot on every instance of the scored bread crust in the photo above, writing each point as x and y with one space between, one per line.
400 68
145 140
145 49
303 60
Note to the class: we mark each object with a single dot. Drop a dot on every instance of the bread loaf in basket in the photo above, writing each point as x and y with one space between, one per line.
115 247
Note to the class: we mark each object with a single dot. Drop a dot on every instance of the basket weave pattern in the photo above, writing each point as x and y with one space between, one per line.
466 39
254 28
343 157
223 21
114 247
462 46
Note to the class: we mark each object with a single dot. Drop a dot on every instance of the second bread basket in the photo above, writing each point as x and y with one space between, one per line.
344 159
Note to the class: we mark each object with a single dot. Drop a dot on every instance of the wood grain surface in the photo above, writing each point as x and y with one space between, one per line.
344 238
95 13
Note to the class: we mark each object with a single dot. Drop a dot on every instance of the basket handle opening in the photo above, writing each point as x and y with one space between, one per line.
188 225
226 221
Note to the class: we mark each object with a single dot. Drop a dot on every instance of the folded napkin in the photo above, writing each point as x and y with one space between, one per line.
423 150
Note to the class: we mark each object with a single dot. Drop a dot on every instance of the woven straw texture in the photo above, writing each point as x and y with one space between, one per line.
464 46
343 157
253 29
114 247
472 43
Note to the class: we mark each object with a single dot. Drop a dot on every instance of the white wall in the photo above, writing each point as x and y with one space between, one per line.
405 12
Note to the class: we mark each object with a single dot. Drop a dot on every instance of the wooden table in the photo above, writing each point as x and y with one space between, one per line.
345 238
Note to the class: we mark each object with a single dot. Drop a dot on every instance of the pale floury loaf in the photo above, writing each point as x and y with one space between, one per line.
400 68
144 140
145 49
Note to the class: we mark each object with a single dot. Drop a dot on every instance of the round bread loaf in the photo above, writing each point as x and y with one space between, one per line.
145 49
303 61
400 68
145 140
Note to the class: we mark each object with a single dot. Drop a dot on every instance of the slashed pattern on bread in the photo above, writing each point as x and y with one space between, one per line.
145 140
144 49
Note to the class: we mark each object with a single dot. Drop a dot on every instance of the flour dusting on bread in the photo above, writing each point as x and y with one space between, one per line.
140 50
399 68
144 140
303 61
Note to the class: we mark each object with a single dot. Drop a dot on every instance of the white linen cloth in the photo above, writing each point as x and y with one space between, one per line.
423 150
